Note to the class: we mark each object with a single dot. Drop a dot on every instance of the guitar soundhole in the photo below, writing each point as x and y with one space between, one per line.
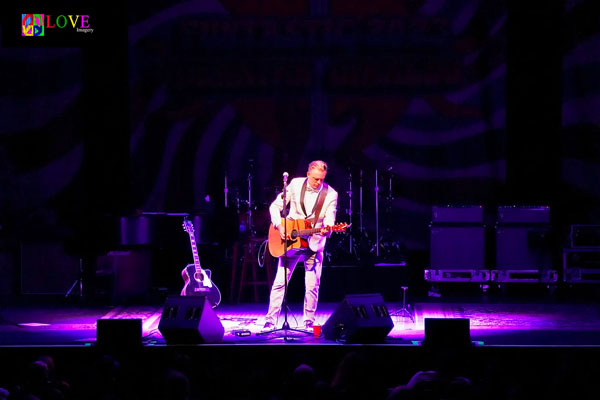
199 277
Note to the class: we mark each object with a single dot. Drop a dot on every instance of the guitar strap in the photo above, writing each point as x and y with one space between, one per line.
318 204
302 193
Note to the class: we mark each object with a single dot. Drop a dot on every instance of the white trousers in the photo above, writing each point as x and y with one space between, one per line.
313 265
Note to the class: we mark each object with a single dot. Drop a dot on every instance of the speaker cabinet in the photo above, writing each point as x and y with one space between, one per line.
359 318
119 333
447 332
190 320
523 248
457 248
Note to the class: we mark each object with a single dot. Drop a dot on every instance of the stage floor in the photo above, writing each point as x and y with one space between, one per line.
514 324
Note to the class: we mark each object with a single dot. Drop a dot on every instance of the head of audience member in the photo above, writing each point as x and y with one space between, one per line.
176 385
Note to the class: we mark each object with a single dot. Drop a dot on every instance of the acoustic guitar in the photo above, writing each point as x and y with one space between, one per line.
197 280
297 230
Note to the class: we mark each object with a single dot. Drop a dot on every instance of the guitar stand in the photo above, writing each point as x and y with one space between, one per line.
285 327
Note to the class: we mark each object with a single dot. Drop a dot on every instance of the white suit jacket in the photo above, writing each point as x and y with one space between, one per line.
326 218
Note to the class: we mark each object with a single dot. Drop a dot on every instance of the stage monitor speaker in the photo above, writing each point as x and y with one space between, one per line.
447 332
190 320
119 333
359 318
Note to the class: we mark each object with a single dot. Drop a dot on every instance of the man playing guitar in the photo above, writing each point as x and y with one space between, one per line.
311 199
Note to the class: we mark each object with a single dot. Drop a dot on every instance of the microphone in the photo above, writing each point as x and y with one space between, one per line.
285 176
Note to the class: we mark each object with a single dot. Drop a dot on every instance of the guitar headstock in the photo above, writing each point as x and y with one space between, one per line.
340 227
188 226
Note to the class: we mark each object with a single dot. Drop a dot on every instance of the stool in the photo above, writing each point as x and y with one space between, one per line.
250 262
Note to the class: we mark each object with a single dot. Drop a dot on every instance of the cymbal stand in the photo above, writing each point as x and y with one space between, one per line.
388 206
250 199
376 215
360 202
225 191
225 195
390 194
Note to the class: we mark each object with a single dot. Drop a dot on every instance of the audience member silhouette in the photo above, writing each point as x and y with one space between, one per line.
36 384
176 386
63 386
301 385
444 381
441 374
358 377
103 379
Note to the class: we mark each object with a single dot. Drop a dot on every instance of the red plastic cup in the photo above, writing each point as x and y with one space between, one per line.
317 330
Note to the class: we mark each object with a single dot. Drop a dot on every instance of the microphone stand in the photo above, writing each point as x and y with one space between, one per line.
350 239
285 327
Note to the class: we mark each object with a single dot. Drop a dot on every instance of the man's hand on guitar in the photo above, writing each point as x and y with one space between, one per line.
281 230
325 231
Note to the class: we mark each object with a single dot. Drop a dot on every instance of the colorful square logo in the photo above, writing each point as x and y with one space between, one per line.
32 24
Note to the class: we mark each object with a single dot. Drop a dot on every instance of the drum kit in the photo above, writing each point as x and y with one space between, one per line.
373 244
253 216
359 245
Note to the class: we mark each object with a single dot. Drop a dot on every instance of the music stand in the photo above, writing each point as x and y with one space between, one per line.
285 327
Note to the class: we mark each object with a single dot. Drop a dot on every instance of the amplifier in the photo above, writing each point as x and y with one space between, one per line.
523 247
457 248
457 214
524 214
585 236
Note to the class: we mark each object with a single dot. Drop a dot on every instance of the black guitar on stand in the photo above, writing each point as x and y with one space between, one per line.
197 280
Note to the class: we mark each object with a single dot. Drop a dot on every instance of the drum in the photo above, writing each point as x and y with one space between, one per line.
258 217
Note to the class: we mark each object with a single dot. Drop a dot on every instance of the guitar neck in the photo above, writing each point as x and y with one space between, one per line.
195 252
303 232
